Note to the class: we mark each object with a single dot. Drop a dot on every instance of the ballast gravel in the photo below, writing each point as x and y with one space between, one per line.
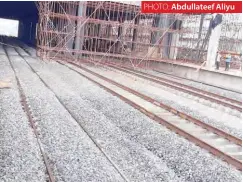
189 162
2 52
71 153
211 116
133 159
21 159
24 49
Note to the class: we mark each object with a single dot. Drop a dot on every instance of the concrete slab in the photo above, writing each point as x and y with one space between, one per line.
226 79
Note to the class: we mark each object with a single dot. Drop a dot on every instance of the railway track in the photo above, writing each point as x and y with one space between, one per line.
225 101
26 109
217 142
71 114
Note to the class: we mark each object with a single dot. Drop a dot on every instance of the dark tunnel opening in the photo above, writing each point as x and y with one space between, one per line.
27 15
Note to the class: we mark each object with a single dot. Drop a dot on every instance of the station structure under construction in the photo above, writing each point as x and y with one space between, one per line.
99 91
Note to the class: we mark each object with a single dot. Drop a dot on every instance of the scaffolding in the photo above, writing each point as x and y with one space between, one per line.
95 31
231 39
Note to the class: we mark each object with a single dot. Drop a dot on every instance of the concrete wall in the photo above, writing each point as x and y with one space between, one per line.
224 80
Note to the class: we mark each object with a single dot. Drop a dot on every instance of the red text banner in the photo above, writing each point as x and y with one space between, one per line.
191 6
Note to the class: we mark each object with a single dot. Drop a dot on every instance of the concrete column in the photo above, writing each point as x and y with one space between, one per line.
154 52
79 40
135 32
197 56
70 38
160 22
70 29
213 45
156 23
174 43
120 32
166 38
174 38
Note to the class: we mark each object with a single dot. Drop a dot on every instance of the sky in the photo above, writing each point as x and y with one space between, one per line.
9 27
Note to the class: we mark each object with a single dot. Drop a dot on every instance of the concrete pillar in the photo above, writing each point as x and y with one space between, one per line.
174 38
154 52
135 32
173 45
120 32
160 22
197 56
70 28
213 45
69 38
156 23
79 40
166 38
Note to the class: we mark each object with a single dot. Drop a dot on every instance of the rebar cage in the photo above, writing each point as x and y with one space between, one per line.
95 31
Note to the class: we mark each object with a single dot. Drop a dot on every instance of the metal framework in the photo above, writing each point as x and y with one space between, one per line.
95 31
231 38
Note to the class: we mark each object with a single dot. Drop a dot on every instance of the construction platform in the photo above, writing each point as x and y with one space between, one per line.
231 79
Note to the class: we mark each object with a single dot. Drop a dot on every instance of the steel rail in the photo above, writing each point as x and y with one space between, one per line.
188 89
172 127
196 89
76 120
26 109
